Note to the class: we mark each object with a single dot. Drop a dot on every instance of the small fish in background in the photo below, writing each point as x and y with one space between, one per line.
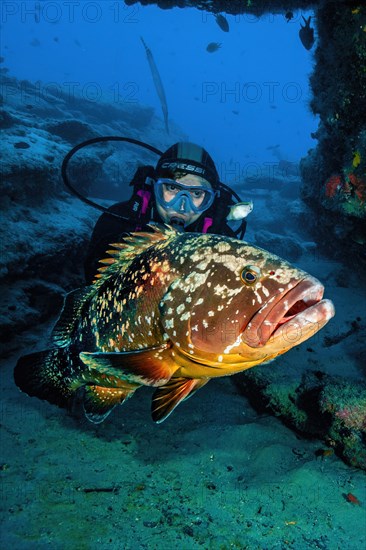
222 22
35 43
288 16
37 12
323 453
239 211
306 34
235 112
356 159
349 497
2 59
56 39
77 43
158 83
213 47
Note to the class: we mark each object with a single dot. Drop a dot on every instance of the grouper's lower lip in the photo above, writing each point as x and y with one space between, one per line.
294 316
303 325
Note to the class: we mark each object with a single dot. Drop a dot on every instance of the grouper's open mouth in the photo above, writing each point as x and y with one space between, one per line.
291 317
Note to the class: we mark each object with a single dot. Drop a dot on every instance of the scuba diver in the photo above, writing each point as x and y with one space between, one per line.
183 190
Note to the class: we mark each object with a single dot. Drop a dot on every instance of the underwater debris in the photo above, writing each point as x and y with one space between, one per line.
113 489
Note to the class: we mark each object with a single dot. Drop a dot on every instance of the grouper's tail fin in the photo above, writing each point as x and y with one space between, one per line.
41 375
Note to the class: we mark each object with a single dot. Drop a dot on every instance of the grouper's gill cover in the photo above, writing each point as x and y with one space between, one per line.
172 310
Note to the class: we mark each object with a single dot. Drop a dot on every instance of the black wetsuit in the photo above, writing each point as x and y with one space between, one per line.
110 229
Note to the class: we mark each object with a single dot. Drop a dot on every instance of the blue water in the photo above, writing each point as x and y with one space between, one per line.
249 95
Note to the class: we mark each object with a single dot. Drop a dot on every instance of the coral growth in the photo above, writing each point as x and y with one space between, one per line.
353 417
359 186
333 173
347 193
333 184
328 407
347 402
346 405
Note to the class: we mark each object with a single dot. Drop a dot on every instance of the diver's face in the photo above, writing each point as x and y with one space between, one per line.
169 193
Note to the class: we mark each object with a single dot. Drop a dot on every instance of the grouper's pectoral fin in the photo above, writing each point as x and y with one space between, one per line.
100 401
166 398
147 367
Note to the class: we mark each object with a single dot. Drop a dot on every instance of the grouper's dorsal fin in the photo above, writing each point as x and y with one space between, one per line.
123 253
65 327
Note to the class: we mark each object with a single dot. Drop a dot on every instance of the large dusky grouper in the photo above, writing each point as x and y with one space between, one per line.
172 310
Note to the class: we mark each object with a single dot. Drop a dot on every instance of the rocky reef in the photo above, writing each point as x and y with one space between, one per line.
316 405
44 229
334 172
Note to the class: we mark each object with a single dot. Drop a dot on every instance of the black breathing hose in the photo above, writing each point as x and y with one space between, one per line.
75 149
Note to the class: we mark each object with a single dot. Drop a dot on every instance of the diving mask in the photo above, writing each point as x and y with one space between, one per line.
183 199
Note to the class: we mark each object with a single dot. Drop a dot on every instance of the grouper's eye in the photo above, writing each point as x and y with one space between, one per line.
250 275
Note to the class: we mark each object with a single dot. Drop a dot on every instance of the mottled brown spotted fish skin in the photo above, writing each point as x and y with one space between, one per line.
172 310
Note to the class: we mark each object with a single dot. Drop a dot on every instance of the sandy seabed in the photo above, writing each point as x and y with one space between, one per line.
214 475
